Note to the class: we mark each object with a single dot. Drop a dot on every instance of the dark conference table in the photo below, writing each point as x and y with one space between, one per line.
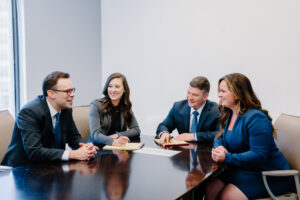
114 175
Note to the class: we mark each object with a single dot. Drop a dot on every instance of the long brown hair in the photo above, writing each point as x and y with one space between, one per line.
125 103
240 86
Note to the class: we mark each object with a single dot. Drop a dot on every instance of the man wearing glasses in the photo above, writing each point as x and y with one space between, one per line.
45 125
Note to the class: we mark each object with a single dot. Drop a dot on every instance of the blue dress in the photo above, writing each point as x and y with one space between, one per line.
252 149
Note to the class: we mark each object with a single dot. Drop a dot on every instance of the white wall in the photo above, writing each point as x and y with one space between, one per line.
63 35
160 45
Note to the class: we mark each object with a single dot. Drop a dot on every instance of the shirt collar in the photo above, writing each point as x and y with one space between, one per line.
199 110
52 110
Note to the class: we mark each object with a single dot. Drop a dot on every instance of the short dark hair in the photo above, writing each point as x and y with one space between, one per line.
51 80
200 82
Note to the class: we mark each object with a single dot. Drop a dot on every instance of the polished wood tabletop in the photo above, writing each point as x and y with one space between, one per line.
113 175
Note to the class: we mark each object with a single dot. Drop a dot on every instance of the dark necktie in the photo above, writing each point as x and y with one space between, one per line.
57 131
194 122
194 158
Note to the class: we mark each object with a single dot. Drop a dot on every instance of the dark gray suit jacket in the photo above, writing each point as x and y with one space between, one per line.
179 118
99 131
33 137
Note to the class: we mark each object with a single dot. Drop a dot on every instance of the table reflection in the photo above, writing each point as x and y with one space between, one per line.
113 175
115 169
198 165
43 181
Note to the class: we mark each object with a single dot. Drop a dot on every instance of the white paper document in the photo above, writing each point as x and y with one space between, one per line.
5 168
158 152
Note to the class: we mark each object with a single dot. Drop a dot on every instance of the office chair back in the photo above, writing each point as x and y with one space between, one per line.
288 137
6 129
81 118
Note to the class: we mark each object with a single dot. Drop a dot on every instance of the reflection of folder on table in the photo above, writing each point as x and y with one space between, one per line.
127 147
172 142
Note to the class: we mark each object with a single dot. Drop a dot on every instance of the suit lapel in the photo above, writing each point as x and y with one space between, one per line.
48 123
107 122
122 121
203 115
186 114
63 123
225 131
47 113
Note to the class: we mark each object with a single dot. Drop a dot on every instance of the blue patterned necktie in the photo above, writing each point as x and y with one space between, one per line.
194 122
57 131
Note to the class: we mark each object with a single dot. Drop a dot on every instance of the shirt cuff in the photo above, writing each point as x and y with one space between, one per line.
65 167
195 135
65 155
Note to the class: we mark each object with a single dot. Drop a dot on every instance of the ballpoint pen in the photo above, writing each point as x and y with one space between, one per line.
119 135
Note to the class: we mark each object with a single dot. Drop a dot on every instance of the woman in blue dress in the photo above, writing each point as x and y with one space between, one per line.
245 144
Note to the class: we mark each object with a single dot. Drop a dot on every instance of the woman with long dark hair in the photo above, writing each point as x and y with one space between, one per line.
245 144
111 118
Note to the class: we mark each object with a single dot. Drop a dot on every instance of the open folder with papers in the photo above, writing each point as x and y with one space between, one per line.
127 147
172 142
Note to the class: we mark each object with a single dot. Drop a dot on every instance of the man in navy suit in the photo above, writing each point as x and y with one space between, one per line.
196 118
45 125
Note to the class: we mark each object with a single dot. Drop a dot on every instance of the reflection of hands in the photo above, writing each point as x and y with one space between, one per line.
218 155
185 137
193 178
214 167
83 167
190 146
85 152
122 155
121 141
165 137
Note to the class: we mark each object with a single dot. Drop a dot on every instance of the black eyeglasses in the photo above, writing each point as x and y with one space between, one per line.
69 91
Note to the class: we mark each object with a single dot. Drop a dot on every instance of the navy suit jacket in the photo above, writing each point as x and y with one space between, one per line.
179 118
250 143
33 137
